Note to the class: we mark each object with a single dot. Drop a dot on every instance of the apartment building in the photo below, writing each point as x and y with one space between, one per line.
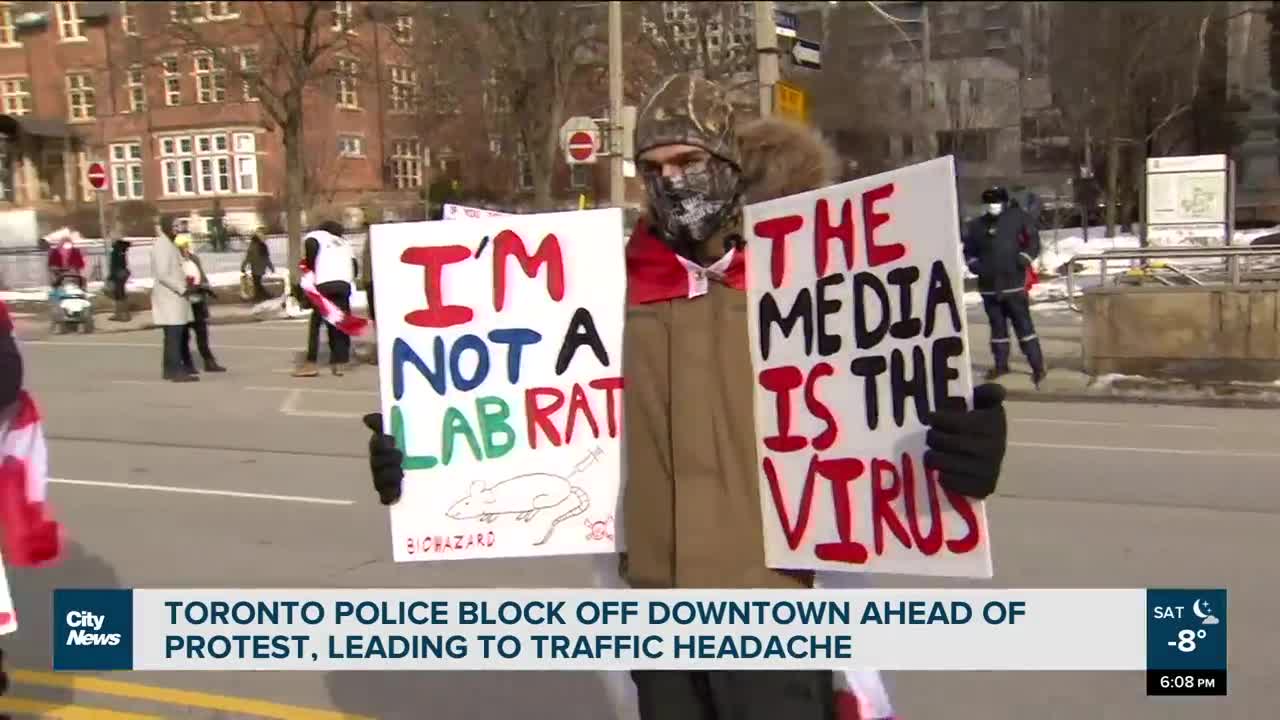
181 132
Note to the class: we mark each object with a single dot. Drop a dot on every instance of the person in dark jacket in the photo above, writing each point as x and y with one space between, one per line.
199 293
999 247
257 260
118 275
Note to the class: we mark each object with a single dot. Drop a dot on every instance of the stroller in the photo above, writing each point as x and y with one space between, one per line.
70 305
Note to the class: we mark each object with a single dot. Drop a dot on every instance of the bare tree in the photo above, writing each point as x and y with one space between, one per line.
299 47
713 38
1125 72
526 62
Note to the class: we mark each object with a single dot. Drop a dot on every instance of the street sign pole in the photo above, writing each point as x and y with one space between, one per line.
97 177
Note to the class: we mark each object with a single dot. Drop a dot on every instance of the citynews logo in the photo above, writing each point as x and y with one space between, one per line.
86 629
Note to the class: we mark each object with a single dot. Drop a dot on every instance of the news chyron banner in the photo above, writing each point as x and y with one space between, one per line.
1178 636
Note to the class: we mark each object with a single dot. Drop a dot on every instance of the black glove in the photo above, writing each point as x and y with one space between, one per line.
966 446
384 461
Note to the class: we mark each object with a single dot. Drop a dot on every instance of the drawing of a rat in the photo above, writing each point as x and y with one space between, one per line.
523 496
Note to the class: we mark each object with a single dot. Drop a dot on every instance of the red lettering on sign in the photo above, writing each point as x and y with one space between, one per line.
539 417
777 229
819 409
508 244
882 511
878 254
824 231
433 261
781 381
842 473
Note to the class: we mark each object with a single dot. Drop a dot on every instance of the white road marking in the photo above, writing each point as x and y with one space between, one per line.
1110 423
203 491
81 343
267 388
1154 450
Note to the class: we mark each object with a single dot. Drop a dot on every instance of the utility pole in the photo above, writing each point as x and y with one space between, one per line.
617 184
766 55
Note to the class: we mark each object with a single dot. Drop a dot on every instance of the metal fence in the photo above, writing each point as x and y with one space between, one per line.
1196 266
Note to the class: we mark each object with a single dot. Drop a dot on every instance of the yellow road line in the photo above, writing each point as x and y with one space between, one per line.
171 696
43 709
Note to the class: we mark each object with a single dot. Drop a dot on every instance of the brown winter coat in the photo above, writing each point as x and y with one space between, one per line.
691 505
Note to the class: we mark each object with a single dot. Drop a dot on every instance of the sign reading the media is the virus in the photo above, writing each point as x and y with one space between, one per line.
858 333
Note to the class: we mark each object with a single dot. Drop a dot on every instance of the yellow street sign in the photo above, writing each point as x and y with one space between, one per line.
791 101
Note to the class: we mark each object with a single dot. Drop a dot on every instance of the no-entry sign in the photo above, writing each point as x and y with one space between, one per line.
582 147
97 175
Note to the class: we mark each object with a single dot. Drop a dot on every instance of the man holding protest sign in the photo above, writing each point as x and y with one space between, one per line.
692 504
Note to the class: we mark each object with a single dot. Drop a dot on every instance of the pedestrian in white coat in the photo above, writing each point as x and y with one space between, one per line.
170 308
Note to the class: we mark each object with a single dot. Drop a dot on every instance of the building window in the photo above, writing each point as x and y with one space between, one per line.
347 72
81 103
403 32
524 167
128 20
406 164
404 89
342 16
16 95
205 165
350 146
172 82
70 26
136 84
211 80
579 176
221 10
249 71
975 91
904 99
8 34
495 145
126 171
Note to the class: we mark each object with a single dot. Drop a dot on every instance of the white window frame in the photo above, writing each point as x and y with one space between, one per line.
406 158
404 89
219 11
244 54
172 81
126 171
402 30
206 165
70 24
136 84
213 75
350 145
80 83
8 31
128 18
344 16
348 94
15 95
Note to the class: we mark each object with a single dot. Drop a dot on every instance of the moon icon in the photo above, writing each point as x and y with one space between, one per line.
1199 613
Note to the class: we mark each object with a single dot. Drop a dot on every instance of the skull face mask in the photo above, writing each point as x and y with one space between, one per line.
690 207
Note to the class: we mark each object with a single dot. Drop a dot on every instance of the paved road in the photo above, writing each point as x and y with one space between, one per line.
257 479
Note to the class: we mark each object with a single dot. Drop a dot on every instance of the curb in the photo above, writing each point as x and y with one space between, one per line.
1258 401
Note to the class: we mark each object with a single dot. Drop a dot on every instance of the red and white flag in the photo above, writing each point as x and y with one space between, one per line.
349 324
28 535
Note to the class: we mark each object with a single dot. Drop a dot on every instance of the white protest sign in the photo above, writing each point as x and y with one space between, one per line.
459 212
857 330
500 350
8 616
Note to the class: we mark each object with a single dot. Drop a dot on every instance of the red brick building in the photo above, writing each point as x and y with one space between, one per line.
115 82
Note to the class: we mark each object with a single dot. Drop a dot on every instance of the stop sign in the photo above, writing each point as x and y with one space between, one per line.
97 175
582 145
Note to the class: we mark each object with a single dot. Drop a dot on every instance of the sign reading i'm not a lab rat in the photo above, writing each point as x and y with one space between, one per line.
858 332
500 351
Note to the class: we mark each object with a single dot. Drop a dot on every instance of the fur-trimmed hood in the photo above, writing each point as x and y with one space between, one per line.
782 157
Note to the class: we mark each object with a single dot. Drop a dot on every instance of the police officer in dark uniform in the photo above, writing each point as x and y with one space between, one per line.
999 247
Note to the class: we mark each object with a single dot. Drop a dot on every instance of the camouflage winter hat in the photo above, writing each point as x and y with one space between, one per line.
688 110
